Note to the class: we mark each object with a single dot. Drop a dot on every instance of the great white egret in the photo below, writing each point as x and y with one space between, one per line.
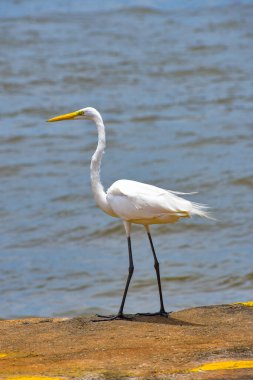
133 202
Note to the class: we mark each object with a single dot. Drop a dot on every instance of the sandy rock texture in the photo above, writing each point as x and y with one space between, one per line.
213 342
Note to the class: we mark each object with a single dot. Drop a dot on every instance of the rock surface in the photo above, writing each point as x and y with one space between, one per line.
213 342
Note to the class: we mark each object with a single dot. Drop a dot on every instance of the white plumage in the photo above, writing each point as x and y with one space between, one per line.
134 202
145 204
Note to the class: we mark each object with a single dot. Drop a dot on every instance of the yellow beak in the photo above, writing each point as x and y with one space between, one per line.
66 116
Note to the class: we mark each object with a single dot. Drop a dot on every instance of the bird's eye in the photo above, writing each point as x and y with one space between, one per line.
81 113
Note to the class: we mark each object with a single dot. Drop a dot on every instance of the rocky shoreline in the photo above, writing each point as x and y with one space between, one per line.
210 342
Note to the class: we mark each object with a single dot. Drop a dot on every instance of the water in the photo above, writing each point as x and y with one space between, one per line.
174 85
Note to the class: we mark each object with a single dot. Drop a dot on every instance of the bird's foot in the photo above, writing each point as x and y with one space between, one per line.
106 318
161 313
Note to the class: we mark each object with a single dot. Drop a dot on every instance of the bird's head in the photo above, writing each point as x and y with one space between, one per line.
87 113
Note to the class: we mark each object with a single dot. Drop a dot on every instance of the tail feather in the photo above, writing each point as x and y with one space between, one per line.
201 210
181 193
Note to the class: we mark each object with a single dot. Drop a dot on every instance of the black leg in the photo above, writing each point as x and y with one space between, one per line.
162 311
130 273
120 314
156 265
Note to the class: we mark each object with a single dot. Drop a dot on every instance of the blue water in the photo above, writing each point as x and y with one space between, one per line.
174 85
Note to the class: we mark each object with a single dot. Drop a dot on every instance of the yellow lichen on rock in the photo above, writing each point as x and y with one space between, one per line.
232 364
248 303
32 378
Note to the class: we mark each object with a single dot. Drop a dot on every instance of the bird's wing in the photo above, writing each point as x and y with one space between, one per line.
136 200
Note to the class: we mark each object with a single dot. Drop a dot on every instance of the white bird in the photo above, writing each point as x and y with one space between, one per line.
133 202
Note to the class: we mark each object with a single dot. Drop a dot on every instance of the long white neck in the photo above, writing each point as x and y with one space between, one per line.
97 187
